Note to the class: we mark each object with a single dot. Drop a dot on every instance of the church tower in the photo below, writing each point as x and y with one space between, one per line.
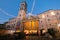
21 15
22 10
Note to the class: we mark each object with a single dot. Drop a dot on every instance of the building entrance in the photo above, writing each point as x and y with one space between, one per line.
30 26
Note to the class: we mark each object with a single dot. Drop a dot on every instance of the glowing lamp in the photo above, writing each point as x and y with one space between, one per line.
58 25
52 13
43 16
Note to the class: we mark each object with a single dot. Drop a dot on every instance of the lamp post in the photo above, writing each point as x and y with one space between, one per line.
58 27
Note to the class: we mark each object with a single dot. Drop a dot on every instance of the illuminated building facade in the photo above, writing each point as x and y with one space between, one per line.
11 23
49 19
45 20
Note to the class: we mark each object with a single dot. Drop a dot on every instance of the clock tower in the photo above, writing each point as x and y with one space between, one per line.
21 14
22 10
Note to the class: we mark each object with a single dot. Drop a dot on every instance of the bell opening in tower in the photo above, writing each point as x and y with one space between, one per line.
23 6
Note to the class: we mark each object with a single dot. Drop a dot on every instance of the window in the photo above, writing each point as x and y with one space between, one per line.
57 13
50 24
59 17
41 21
14 24
42 26
20 14
22 4
48 19
47 15
15 21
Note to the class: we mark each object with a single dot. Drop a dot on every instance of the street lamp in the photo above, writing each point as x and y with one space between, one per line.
58 25
43 16
52 13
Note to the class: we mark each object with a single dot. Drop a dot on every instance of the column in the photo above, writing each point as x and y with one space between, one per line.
35 25
30 25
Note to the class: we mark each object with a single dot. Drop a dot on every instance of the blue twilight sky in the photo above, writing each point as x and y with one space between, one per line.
12 7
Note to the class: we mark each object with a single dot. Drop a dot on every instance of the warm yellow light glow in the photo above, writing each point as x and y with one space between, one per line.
32 24
27 25
34 31
36 24
52 13
17 30
26 31
44 31
58 25
10 31
30 31
43 16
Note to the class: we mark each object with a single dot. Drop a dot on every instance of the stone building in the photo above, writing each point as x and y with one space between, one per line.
15 22
45 20
11 23
49 19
